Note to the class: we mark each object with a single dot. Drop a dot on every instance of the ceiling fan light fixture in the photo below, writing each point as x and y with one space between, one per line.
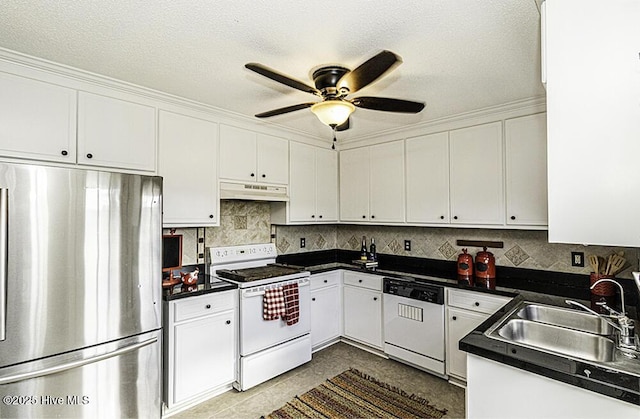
333 112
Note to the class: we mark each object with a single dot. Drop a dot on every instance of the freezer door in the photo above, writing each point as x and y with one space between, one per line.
118 379
80 260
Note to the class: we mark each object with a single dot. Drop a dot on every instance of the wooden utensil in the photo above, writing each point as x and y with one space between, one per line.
593 261
616 264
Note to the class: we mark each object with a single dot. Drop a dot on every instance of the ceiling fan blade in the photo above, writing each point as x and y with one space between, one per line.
281 78
387 104
286 109
369 71
344 126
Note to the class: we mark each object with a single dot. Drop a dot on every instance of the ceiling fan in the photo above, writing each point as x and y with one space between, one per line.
334 83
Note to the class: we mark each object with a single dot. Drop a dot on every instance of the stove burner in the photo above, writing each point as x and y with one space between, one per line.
261 272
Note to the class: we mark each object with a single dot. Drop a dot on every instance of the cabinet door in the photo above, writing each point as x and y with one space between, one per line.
526 170
354 184
116 133
37 120
387 182
302 190
237 154
272 159
326 185
363 315
476 175
213 339
459 324
428 178
325 314
593 90
187 162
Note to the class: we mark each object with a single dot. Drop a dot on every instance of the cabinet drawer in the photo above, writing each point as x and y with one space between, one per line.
324 280
476 301
204 305
373 282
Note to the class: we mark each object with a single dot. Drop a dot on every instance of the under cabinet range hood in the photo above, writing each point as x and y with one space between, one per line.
253 192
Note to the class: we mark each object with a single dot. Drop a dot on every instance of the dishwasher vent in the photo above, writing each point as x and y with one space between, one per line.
410 312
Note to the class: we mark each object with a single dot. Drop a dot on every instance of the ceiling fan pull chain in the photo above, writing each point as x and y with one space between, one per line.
333 127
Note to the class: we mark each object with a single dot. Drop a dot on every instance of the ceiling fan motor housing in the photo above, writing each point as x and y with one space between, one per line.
326 79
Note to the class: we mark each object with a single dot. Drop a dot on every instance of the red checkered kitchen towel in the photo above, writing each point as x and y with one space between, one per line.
291 303
273 304
282 302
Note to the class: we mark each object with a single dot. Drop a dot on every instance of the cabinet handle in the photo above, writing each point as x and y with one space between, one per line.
263 175
210 215
228 322
375 298
364 216
253 175
64 152
455 217
477 304
360 280
319 216
325 281
513 217
454 318
373 216
313 216
208 306
442 217
89 156
313 299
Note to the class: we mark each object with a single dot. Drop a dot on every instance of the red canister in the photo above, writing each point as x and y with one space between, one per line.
465 268
486 269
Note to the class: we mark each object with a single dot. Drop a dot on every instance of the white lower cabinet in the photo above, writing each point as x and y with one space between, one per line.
200 346
466 310
326 308
496 390
362 303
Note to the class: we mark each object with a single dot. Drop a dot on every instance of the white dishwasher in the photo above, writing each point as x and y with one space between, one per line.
414 324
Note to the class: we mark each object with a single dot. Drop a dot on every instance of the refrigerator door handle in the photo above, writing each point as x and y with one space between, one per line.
4 243
75 364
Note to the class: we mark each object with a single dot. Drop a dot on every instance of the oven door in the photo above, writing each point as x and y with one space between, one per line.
256 333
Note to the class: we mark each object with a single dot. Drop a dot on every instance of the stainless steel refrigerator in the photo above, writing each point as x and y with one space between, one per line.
80 293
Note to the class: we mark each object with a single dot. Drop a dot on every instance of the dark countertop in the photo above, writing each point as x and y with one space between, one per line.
206 284
583 374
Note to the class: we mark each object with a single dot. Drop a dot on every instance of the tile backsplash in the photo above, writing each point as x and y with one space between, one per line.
245 222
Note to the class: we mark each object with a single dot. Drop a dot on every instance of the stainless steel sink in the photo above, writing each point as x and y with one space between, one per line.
557 339
572 319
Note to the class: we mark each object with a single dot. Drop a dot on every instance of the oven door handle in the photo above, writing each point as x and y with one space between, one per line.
258 291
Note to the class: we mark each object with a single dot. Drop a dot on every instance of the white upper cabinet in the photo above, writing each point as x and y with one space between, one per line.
476 182
427 159
354 184
593 117
250 157
37 120
188 162
526 169
116 133
313 189
372 183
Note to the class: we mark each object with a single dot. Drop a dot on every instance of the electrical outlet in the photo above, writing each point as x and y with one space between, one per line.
407 245
303 242
577 259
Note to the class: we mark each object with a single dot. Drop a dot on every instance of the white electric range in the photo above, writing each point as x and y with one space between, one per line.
267 348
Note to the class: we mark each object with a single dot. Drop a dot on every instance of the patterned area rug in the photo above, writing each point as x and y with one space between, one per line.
354 394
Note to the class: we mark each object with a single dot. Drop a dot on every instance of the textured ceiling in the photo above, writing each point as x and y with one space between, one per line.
459 56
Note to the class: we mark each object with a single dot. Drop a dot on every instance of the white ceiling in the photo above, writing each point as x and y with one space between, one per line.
459 55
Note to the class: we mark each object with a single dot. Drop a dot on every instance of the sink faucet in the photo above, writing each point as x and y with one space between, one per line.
625 325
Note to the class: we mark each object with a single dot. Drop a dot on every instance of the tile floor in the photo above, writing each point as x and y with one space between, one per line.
327 363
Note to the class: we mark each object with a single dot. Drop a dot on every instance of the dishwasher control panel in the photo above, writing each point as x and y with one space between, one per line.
414 290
